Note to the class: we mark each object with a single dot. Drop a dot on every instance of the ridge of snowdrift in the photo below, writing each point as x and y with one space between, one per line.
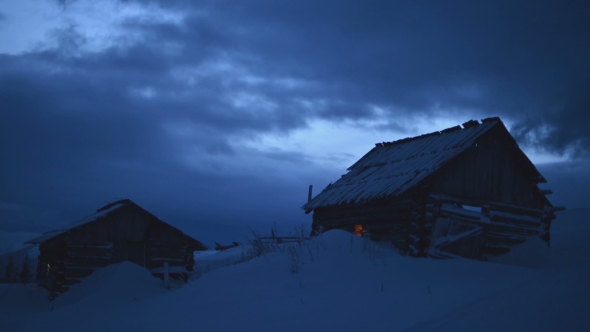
114 284
345 283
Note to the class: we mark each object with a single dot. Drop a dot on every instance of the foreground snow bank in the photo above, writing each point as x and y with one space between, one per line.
112 285
115 284
342 283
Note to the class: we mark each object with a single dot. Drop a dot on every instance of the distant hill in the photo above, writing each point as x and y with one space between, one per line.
12 245
14 241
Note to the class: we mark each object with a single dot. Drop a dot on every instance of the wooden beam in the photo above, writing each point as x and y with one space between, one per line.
538 179
166 275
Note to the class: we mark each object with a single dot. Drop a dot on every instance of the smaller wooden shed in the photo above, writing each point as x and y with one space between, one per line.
119 231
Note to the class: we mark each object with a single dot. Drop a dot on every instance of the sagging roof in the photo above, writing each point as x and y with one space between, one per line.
99 214
391 168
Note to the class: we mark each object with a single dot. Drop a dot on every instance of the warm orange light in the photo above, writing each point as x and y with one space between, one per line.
358 230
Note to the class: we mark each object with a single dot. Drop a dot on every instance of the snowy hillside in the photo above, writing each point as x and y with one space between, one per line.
13 241
336 282
13 247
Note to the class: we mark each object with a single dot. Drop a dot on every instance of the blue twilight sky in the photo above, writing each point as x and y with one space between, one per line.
216 115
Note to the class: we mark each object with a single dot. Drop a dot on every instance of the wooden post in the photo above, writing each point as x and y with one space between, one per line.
144 255
166 275
309 193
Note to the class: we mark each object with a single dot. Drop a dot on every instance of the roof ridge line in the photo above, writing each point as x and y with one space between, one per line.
463 126
110 205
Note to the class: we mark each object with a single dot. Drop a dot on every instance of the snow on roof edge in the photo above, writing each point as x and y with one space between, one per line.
102 212
391 168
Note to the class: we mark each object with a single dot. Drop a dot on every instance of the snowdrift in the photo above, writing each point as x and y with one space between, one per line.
342 283
114 284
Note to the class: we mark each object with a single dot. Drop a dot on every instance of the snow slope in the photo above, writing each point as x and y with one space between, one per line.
344 283
13 241
12 246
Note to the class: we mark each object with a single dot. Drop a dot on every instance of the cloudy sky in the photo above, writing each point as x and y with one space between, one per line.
217 115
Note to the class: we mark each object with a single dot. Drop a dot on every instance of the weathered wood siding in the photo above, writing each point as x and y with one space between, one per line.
488 171
503 226
126 234
385 219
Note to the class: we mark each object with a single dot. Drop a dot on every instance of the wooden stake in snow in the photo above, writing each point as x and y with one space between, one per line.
166 275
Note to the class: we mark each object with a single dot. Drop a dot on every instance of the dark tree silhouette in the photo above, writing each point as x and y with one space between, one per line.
9 270
25 273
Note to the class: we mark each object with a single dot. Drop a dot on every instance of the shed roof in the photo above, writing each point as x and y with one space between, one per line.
391 168
98 215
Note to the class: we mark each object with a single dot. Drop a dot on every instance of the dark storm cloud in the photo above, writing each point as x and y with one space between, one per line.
525 60
77 130
154 118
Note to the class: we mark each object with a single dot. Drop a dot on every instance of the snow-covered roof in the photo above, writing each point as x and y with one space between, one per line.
100 213
391 168
107 209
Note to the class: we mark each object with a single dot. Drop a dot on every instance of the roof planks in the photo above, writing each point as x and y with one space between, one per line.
391 168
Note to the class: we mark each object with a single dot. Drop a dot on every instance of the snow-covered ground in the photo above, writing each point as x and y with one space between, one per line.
343 283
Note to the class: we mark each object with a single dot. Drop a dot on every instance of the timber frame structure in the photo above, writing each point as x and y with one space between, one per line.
465 191
119 231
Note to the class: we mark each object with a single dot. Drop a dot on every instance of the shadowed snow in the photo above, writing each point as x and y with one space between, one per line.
343 283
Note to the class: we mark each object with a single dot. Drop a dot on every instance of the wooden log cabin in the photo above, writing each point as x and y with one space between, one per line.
119 231
465 191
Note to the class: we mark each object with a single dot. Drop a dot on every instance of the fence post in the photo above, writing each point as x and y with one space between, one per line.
166 275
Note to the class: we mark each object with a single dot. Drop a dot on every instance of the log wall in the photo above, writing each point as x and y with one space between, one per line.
490 171
384 219
503 226
127 234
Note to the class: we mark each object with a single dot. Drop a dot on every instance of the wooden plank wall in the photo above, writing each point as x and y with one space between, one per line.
507 225
127 234
385 220
488 171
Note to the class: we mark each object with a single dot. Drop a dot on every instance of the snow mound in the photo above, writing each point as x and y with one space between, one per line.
341 283
18 298
205 253
214 255
117 283
533 253
337 238
570 240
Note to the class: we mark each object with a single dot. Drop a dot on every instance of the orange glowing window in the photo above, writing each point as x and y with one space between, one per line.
358 230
